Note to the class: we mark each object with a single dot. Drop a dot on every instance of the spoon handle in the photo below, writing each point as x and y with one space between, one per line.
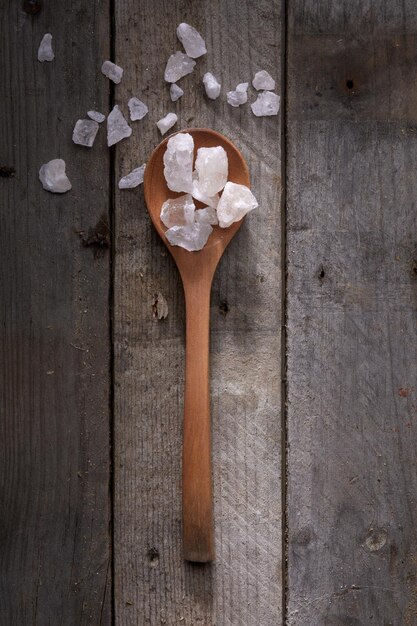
198 533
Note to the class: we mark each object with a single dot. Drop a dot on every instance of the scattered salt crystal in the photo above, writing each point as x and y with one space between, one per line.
236 200
211 85
85 132
191 237
53 177
212 168
263 80
178 211
167 122
267 103
194 44
112 71
178 65
175 92
207 215
45 52
239 96
117 127
137 108
133 179
96 116
178 162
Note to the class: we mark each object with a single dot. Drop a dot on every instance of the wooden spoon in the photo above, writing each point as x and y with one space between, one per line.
197 271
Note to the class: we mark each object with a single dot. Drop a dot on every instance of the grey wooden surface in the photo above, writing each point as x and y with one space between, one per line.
351 207
54 389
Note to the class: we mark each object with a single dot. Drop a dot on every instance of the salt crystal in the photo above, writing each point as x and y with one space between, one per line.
96 116
112 71
239 96
267 103
263 80
137 108
175 92
167 122
133 179
178 65
85 132
117 127
53 177
212 168
211 85
211 201
194 44
207 215
178 211
45 52
178 162
191 237
236 200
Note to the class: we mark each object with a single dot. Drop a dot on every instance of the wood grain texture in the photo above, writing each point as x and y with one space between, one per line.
153 585
54 389
351 313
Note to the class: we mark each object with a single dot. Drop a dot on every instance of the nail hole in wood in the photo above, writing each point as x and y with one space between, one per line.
224 307
349 83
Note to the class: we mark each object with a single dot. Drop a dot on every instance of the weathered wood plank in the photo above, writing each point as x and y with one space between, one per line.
351 313
54 389
152 583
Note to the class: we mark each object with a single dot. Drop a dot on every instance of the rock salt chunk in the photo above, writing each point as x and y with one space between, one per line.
212 85
112 71
178 162
178 211
178 65
175 92
194 44
212 168
191 237
133 179
85 132
207 215
239 96
167 122
117 127
45 52
263 80
267 103
236 200
137 108
96 116
211 201
53 177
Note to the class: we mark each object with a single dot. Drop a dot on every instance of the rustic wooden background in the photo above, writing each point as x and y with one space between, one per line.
313 368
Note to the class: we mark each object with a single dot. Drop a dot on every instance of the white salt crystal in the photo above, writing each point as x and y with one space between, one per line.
53 177
207 215
191 237
178 211
212 168
211 201
236 200
178 162
133 179
194 44
178 65
212 85
175 92
45 52
267 103
263 80
117 127
137 108
167 122
239 96
96 116
85 132
112 71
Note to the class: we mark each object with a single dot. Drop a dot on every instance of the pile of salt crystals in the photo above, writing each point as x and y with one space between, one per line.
187 226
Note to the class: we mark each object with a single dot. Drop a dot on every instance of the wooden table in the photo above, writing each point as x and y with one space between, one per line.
313 368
